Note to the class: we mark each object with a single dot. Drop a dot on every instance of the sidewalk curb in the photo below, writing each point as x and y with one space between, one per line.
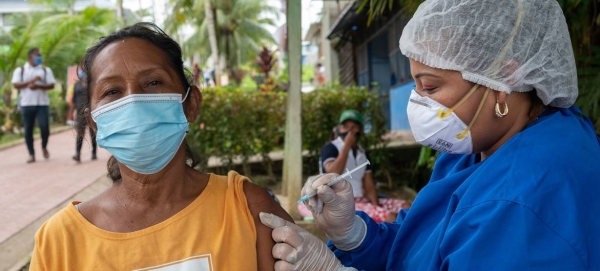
54 130
16 251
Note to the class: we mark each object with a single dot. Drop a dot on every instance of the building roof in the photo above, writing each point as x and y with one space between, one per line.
313 33
345 21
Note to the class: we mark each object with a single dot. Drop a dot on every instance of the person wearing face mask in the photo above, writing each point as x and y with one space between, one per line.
515 187
78 104
344 153
34 80
159 213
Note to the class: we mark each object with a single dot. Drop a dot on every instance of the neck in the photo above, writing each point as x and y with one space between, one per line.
168 185
521 122
31 63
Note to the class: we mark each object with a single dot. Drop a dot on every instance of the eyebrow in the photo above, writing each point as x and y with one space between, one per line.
142 72
421 74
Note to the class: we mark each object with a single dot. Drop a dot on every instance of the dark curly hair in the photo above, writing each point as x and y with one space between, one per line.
153 34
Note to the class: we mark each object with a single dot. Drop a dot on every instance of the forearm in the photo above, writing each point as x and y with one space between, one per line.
20 85
372 196
370 191
46 87
337 165
373 252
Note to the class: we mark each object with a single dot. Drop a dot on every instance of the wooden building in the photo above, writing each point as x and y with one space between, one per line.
369 56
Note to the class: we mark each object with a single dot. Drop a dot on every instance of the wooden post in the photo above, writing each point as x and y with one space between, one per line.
292 161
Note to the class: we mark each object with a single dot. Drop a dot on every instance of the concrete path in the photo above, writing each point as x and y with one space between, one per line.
30 193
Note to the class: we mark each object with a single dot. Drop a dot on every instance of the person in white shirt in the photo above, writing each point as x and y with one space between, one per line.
33 80
343 153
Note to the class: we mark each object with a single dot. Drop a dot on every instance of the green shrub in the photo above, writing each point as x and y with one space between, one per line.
234 123
58 107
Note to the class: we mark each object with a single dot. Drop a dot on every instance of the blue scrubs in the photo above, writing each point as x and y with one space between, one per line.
533 205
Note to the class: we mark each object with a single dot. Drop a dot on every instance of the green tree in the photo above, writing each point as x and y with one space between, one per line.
62 45
239 27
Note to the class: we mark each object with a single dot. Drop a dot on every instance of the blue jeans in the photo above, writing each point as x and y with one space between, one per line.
28 115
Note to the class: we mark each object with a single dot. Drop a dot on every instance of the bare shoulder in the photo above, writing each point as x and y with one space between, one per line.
259 200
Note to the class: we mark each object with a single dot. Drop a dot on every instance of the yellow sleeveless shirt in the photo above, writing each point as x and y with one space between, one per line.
215 232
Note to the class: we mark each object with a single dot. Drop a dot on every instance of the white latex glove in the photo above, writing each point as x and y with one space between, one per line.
297 249
333 211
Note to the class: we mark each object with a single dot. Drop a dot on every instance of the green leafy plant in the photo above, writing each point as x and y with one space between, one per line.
235 123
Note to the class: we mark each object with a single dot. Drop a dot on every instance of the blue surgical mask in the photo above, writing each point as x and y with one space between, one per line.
37 60
142 131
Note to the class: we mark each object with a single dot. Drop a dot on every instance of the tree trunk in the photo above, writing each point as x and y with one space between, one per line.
120 12
228 65
292 161
212 37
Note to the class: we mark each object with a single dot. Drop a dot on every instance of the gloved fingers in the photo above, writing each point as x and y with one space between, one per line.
307 188
285 252
342 185
321 180
284 266
331 197
316 204
326 194
272 221
289 235
309 183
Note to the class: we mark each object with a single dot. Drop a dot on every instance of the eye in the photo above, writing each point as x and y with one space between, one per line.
154 83
110 92
428 88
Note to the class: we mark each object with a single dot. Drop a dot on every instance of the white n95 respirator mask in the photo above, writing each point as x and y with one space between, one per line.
438 127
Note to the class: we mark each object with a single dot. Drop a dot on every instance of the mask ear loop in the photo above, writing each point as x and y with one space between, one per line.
466 131
186 94
443 114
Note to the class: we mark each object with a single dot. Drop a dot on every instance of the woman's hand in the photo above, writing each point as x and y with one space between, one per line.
297 249
333 211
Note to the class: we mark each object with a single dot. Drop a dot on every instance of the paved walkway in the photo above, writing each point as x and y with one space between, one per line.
29 192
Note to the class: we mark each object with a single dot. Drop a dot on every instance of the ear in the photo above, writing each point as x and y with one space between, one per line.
501 97
192 108
88 118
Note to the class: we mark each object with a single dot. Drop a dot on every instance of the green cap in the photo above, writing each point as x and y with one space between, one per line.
351 114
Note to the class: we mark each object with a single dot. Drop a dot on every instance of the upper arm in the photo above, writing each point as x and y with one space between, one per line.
259 201
16 78
370 165
501 235
328 154
49 76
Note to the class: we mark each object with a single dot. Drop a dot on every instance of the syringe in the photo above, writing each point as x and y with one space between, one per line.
335 180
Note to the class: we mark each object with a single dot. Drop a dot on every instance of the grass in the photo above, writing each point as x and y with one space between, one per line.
10 138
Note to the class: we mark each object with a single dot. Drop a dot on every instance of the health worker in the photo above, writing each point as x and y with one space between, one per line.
516 186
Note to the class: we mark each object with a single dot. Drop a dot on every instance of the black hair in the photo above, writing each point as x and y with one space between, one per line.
157 37
32 50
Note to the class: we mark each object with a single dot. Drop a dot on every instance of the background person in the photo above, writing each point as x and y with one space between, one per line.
159 210
79 103
344 153
33 80
515 187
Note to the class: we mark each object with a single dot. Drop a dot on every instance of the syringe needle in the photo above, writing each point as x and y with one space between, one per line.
335 180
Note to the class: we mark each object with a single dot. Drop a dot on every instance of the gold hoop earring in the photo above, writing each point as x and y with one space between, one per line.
499 113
